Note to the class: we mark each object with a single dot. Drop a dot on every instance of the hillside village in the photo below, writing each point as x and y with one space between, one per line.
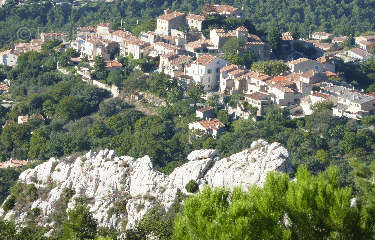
184 53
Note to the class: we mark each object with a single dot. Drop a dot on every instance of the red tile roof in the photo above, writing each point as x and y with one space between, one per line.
205 59
216 8
229 67
195 17
213 124
258 96
112 64
171 15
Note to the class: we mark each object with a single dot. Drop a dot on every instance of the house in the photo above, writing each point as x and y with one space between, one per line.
61 36
354 104
119 36
211 127
112 64
168 21
205 113
365 42
4 88
195 21
206 71
315 97
339 40
135 47
223 10
172 63
9 58
94 47
200 47
85 31
165 48
321 35
302 65
283 91
259 100
257 82
226 83
359 54
104 29
26 118
329 63
287 36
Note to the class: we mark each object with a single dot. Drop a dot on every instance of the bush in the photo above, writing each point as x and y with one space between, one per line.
9 203
192 186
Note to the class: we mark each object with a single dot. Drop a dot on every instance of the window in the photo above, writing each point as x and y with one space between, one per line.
209 71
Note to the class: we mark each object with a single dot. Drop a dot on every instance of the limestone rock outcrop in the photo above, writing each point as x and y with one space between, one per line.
104 179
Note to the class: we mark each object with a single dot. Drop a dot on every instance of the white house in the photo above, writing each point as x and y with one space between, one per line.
206 71
212 127
9 58
195 21
359 54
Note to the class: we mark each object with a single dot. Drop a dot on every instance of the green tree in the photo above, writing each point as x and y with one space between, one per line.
80 224
274 38
312 207
69 108
272 68
195 92
113 49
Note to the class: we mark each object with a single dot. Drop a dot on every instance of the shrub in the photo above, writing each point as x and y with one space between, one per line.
9 203
192 186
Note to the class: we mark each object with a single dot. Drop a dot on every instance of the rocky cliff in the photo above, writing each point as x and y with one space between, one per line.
106 182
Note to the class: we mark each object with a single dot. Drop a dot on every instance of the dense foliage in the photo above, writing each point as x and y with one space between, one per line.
312 207
23 22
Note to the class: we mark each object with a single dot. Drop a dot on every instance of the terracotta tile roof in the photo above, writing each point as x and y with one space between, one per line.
122 33
198 44
26 118
195 17
104 24
205 59
309 74
298 61
324 46
216 8
229 67
54 34
253 38
242 29
258 76
279 79
4 87
213 124
287 36
257 96
325 59
166 45
339 39
237 72
321 95
360 52
205 109
112 64
181 60
170 15
86 29
331 74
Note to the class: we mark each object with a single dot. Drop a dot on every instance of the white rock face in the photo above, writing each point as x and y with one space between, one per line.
103 179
